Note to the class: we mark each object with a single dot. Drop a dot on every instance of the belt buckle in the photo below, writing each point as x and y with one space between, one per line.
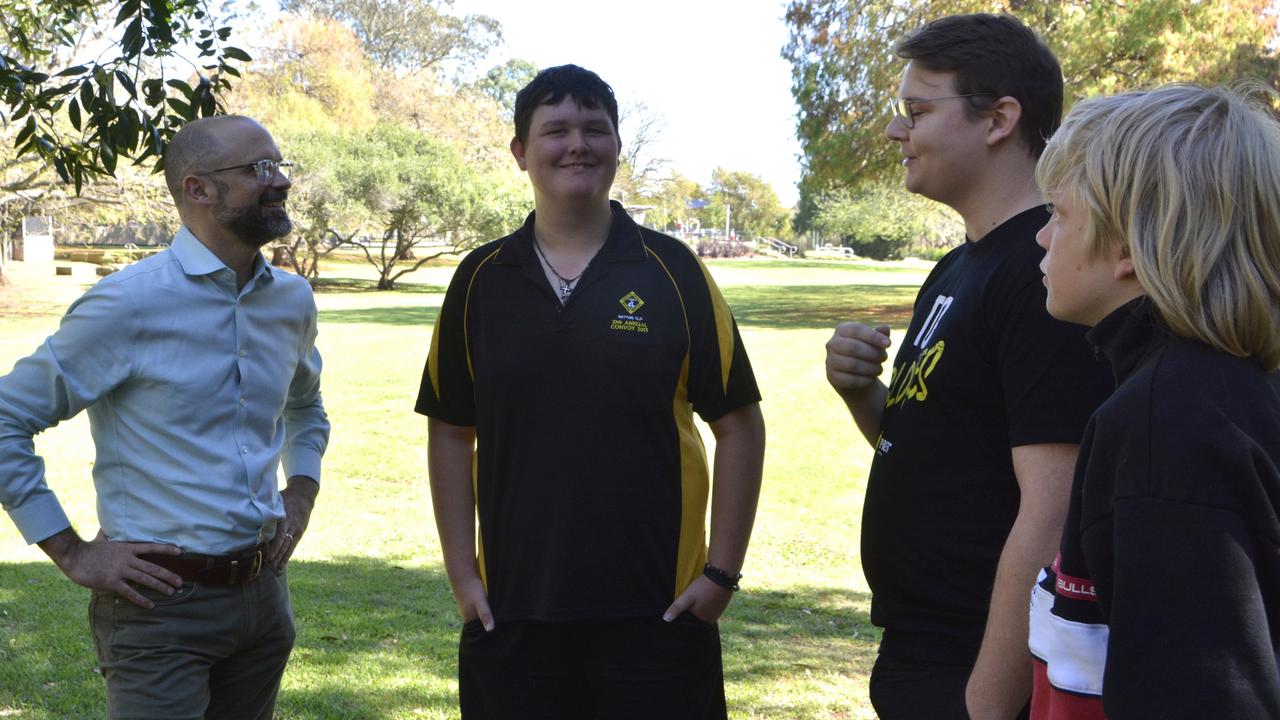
255 566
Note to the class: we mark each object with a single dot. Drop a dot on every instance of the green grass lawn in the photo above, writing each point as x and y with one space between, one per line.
377 627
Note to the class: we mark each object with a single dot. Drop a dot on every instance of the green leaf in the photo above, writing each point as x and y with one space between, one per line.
128 9
73 70
183 109
26 131
157 142
208 102
73 111
61 166
86 95
127 82
236 53
131 43
180 86
108 157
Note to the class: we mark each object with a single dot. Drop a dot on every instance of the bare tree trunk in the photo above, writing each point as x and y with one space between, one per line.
4 252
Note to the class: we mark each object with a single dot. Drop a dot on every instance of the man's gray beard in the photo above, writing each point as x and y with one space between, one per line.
254 227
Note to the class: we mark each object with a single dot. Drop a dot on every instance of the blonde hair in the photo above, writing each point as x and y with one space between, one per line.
1187 180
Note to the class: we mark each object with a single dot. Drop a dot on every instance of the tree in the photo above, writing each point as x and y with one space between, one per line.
309 73
640 169
504 81
408 36
127 102
844 71
670 198
884 223
399 196
754 208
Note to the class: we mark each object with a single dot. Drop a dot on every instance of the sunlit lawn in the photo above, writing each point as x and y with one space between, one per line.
377 626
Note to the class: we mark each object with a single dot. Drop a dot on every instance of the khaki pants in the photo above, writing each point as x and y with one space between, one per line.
204 653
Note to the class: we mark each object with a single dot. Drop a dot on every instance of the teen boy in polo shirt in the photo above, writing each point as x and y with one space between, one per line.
564 369
976 434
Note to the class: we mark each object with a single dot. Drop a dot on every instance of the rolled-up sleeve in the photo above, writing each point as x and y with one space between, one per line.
306 424
76 366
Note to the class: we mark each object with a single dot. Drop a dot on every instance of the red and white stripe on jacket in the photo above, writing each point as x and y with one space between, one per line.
1068 645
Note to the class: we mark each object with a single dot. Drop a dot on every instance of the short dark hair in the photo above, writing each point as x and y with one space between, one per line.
551 86
994 54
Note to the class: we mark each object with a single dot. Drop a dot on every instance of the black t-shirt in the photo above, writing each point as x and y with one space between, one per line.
591 479
982 368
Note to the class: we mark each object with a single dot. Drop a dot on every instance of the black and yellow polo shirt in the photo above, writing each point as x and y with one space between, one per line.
591 480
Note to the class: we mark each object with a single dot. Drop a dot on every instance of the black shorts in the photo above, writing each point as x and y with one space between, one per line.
632 669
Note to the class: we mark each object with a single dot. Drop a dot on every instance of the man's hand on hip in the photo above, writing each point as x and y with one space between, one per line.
102 564
299 498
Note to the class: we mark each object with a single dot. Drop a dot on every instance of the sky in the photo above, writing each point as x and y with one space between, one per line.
710 70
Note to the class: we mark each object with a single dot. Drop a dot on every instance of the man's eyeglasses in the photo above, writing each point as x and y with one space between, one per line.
265 169
901 107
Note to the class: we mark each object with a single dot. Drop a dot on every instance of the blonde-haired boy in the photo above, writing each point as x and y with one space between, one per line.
1164 600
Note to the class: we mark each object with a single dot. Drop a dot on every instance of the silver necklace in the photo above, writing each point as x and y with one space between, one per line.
566 284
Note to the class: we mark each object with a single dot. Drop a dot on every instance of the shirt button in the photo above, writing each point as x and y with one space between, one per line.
243 352
244 450
241 402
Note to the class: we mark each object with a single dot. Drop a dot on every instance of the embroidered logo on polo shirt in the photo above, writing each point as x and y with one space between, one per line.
631 302
630 321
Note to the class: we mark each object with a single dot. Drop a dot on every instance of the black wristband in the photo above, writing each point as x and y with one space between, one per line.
721 578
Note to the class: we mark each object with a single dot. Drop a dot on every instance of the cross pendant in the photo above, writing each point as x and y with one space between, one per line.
565 289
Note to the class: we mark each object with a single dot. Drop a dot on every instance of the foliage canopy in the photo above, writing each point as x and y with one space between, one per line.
844 70
126 102
408 35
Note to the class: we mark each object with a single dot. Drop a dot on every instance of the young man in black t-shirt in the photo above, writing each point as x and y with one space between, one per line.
565 368
977 432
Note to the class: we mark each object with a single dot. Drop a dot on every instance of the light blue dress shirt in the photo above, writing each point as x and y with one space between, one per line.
196 392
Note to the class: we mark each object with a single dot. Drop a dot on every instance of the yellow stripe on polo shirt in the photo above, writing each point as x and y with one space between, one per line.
724 326
691 553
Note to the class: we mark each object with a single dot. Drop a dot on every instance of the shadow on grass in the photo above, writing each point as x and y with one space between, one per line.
778 307
400 315
791 307
378 640
783 633
355 285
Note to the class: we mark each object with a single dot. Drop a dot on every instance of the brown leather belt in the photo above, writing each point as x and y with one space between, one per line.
234 569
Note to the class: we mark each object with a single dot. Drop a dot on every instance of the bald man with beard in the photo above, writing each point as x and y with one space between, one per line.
198 370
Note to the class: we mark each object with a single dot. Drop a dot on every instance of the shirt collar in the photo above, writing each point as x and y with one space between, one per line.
196 259
1128 335
624 242
1027 222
